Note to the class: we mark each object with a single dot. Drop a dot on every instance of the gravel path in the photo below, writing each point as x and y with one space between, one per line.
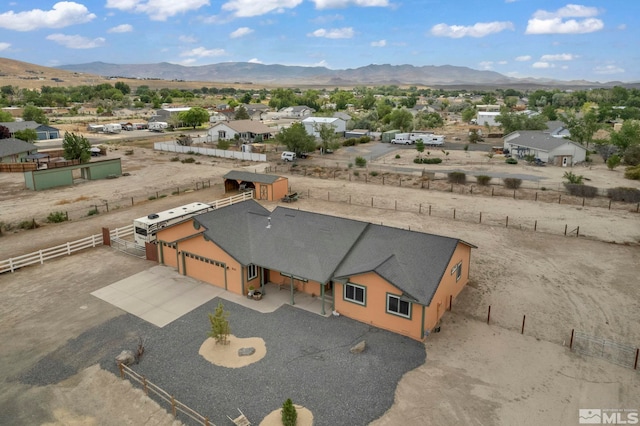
308 360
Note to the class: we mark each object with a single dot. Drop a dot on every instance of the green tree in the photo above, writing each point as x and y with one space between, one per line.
582 128
32 113
241 113
328 136
219 325
383 108
627 136
289 413
6 117
613 162
468 114
76 147
428 120
512 121
474 136
27 135
401 119
420 146
296 139
194 117
632 155
573 178
123 87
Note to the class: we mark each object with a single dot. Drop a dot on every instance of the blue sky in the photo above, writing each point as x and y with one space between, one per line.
591 40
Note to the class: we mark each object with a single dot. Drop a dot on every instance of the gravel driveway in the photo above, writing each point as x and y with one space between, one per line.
307 360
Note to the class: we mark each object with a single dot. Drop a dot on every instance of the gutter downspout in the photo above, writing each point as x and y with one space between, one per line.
322 295
292 301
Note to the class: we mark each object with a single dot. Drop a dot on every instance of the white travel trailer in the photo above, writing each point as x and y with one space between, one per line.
158 126
146 227
112 128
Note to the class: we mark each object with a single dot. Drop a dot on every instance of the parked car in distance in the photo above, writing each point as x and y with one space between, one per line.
288 156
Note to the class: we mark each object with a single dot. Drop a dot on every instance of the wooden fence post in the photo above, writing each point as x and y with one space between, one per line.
489 315
450 302
121 370
480 218
506 224
454 214
524 317
131 200
371 201
429 209
396 205
635 364
565 230
571 340
577 231
420 208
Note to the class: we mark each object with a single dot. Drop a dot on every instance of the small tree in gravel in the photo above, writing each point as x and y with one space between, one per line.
219 324
512 183
289 413
483 180
361 162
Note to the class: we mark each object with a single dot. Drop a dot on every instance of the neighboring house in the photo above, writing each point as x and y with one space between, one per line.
546 147
246 129
487 118
298 111
257 111
15 150
312 125
343 116
43 131
164 114
557 129
356 133
398 280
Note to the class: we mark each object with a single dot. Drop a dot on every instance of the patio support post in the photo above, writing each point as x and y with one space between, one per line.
262 281
292 301
322 296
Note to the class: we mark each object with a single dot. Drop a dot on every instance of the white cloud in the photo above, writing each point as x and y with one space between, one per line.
76 41
485 65
4 46
187 39
241 32
622 27
255 61
201 52
608 69
63 14
334 4
480 29
346 32
558 57
523 58
379 43
556 22
158 10
502 62
326 19
248 8
124 28
542 65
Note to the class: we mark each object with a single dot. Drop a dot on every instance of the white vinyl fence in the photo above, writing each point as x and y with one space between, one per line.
238 155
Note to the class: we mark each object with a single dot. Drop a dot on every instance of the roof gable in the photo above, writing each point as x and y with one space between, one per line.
241 175
537 139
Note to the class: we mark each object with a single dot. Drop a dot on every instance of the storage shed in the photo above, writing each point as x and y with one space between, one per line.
265 187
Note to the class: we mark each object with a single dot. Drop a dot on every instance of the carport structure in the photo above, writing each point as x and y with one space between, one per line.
265 187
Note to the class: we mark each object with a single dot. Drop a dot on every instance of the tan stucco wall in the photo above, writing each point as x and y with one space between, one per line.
308 287
280 189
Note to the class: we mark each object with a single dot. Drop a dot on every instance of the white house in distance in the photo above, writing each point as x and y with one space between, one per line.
487 118
247 130
313 124
546 147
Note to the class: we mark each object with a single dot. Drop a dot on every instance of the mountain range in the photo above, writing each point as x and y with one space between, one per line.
256 73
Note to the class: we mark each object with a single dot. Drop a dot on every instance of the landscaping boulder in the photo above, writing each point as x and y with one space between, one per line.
126 357
359 347
246 351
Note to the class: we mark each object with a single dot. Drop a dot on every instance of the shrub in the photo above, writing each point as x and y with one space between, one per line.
224 144
632 173
356 173
512 183
361 162
57 217
435 160
613 161
188 160
457 177
373 173
629 195
632 155
350 165
151 197
28 224
573 178
175 159
349 142
529 158
580 190
397 155
364 139
511 160
466 147
483 180
128 152
93 212
289 413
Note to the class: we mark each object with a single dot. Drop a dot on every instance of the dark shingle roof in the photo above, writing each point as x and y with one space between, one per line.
321 247
537 140
241 175
12 146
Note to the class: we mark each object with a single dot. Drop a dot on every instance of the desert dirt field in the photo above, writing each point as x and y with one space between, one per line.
475 373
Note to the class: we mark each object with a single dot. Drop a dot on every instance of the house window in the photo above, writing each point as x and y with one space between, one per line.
457 269
222 134
252 272
355 293
397 306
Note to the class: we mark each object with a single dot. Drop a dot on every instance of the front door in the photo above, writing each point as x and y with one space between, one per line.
564 161
264 192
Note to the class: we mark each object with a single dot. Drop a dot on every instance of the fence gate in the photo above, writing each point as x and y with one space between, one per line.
128 247
616 353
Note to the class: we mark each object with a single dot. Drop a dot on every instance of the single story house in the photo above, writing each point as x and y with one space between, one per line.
14 150
247 130
546 147
487 118
312 125
297 111
398 280
265 187
43 131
